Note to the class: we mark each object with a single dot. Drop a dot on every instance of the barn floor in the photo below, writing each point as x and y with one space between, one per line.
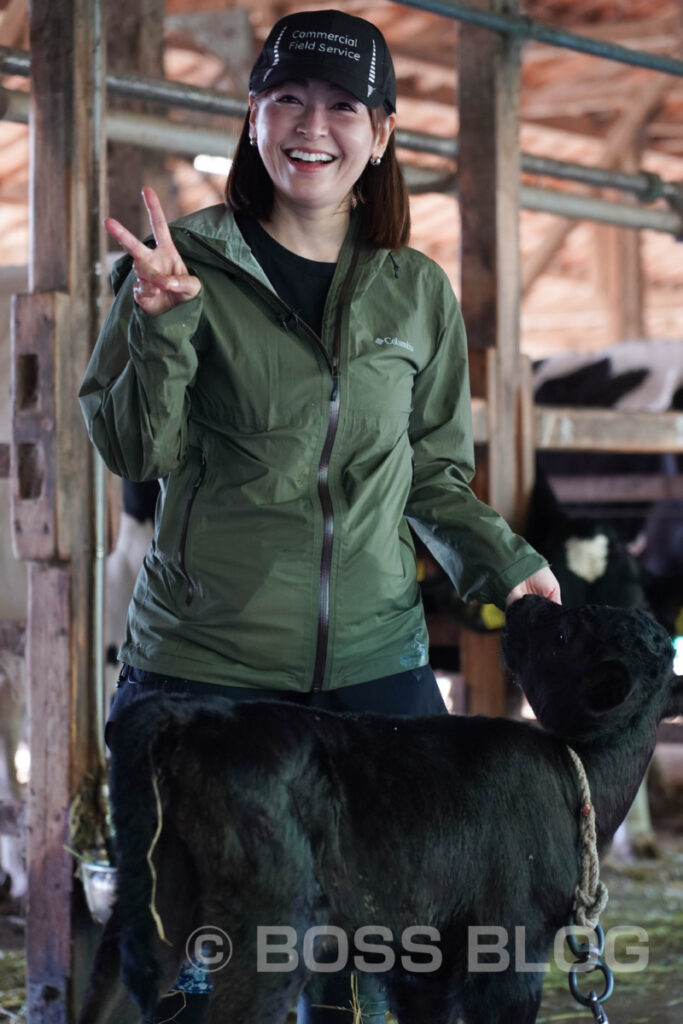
647 894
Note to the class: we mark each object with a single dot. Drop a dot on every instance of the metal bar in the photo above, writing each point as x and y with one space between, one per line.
644 185
158 133
528 29
141 129
566 204
647 187
178 94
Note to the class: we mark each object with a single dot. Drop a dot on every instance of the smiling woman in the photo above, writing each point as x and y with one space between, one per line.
297 377
315 140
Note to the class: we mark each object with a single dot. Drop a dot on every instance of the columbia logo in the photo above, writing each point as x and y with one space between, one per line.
394 341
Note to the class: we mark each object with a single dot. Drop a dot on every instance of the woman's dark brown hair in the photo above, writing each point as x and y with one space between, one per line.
380 192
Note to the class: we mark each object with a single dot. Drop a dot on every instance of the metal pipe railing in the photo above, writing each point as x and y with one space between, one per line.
160 133
152 90
568 204
644 185
527 29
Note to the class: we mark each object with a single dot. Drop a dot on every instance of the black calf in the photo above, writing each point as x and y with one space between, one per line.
276 815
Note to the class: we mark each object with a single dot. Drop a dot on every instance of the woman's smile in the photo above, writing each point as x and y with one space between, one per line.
315 140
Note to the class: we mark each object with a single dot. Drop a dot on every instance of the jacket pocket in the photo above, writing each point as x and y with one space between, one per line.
182 544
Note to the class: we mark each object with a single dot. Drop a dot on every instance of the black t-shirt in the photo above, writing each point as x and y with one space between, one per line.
302 283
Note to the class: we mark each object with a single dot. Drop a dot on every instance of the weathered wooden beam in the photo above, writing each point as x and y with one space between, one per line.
135 45
49 865
40 327
54 329
634 487
569 428
607 430
12 637
481 665
12 818
618 265
489 73
488 171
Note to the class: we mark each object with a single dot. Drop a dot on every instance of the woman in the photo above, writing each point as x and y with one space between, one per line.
296 377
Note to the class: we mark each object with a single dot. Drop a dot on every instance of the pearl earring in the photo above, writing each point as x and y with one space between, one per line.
375 161
252 140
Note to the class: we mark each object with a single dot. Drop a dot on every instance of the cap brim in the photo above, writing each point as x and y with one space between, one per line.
321 69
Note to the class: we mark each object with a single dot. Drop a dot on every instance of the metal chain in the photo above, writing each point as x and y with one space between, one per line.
590 899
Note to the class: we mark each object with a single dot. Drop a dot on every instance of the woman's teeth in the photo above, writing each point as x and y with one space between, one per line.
299 154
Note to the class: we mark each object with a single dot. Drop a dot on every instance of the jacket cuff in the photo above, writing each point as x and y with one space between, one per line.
500 586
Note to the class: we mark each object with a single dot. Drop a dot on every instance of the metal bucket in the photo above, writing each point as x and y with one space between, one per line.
99 884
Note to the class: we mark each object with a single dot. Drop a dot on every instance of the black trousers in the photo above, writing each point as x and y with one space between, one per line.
407 693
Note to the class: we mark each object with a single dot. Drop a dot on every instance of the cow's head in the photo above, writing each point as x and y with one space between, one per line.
590 671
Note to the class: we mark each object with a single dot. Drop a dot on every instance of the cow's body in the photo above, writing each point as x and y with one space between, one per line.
275 815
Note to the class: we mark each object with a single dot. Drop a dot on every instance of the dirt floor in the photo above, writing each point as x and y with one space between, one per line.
649 895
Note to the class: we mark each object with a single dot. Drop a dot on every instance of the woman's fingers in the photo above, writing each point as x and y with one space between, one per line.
126 239
165 292
161 277
166 258
157 219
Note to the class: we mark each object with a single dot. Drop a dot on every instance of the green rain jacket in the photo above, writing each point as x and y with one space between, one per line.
290 465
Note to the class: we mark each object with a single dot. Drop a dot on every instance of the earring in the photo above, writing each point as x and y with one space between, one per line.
252 140
375 161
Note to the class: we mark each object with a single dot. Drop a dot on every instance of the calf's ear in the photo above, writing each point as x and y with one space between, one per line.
607 686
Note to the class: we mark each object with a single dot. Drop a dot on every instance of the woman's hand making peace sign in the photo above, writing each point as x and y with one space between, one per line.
162 278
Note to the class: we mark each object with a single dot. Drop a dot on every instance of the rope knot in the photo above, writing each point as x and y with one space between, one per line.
590 895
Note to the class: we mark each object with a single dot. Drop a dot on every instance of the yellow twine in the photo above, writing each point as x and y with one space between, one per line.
355 1007
155 839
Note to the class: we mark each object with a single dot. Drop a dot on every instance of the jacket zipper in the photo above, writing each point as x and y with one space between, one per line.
272 297
325 577
184 528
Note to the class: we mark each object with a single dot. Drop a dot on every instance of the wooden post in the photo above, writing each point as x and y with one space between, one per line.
53 331
135 46
618 268
488 86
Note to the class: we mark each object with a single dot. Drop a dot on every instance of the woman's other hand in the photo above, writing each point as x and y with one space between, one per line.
543 583
162 278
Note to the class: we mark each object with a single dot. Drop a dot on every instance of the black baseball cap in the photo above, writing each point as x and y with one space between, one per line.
334 46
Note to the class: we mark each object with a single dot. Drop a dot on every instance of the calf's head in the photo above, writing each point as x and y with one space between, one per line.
589 672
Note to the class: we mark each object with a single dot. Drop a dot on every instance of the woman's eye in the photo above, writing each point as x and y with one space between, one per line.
287 98
345 105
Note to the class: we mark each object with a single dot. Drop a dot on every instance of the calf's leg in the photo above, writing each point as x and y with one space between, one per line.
508 997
